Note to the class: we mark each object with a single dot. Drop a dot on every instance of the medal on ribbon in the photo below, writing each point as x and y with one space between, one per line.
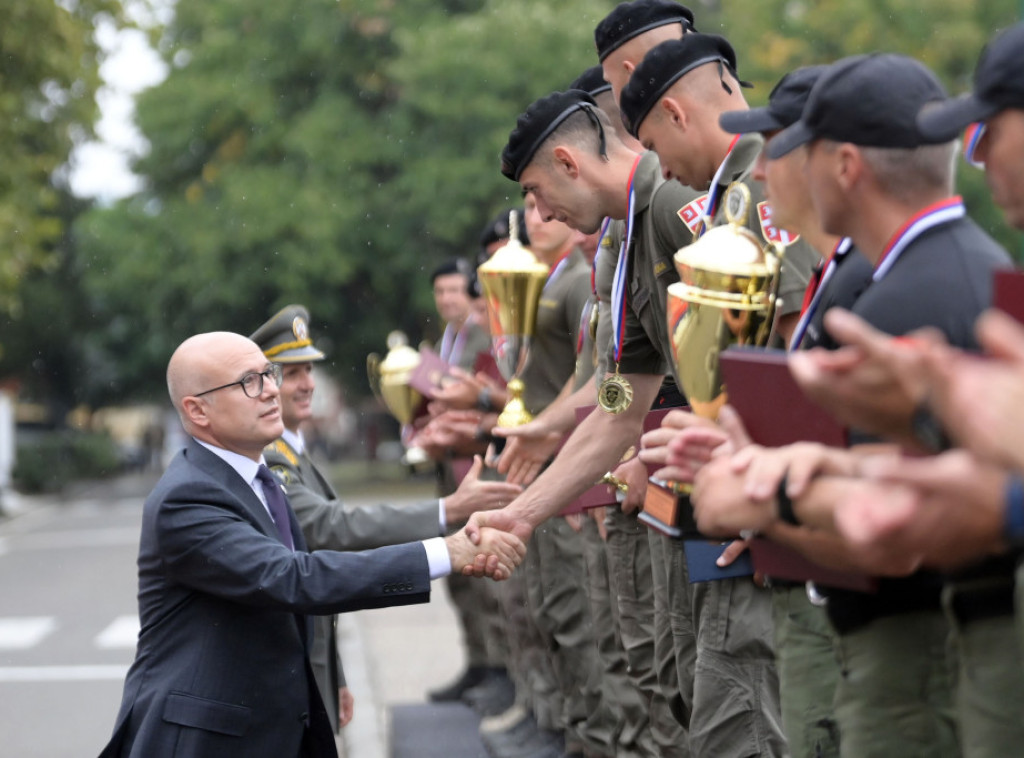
615 394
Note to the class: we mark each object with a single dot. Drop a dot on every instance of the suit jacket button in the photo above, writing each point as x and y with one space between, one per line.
304 718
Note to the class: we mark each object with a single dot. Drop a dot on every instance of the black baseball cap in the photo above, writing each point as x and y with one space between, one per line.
785 104
591 81
868 100
632 19
538 122
998 85
663 66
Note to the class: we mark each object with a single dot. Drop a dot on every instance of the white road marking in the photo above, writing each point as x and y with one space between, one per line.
26 632
121 632
109 537
61 673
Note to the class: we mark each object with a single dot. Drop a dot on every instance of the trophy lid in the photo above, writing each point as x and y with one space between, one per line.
727 251
400 358
512 258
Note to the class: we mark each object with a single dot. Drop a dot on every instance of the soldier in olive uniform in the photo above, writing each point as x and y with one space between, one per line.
566 151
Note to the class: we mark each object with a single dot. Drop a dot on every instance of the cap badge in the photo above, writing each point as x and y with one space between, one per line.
300 329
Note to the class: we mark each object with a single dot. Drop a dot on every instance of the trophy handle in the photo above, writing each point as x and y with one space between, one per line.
767 330
373 374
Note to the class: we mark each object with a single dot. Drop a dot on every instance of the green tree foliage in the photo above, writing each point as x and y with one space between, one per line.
48 78
332 152
775 36
315 151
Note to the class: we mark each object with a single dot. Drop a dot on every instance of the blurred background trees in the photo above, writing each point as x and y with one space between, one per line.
329 152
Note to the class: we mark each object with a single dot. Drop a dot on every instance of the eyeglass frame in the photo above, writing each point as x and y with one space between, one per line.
274 371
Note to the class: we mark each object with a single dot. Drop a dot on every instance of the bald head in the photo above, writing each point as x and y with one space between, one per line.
199 363
203 380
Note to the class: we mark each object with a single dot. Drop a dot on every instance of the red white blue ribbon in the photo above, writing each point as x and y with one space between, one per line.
621 268
842 247
972 136
935 214
715 193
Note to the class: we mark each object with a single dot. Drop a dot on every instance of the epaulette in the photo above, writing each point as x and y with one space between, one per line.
282 448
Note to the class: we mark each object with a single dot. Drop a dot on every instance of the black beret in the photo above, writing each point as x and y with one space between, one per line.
537 124
591 81
632 19
785 104
867 100
663 66
998 84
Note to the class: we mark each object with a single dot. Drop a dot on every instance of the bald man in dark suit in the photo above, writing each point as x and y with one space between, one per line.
222 666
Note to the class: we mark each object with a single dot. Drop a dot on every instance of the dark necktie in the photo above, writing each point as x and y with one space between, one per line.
277 504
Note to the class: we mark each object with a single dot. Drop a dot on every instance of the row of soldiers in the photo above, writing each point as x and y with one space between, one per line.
612 649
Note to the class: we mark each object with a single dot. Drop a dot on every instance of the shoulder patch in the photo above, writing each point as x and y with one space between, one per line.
285 475
691 213
281 447
771 232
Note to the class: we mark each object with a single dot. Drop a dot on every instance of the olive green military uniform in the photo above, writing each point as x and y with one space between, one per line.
722 630
630 733
798 263
659 731
475 602
555 567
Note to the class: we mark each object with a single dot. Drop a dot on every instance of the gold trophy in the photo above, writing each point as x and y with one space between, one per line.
389 380
726 297
513 280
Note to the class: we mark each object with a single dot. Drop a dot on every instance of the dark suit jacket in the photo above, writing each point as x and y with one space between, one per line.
328 524
222 666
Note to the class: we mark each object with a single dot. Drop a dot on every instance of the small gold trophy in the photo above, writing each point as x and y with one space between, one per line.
513 280
389 379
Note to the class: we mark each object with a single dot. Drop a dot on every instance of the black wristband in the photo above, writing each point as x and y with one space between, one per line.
785 505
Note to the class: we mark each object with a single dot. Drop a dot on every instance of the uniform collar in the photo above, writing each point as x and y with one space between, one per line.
295 440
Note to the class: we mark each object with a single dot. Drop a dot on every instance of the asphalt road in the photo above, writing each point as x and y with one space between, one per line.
68 626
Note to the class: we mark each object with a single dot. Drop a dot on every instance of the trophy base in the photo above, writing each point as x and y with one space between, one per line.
515 413
667 509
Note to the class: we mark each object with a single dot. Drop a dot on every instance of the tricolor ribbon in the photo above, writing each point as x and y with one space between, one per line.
715 193
935 214
621 269
972 136
812 297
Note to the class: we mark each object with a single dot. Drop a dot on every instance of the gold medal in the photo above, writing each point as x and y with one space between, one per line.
615 394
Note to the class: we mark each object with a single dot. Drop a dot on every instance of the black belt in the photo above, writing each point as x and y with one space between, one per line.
976 602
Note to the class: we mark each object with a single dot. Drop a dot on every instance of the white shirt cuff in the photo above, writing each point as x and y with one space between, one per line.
442 516
438 560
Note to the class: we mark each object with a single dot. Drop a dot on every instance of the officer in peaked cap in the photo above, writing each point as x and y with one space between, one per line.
284 338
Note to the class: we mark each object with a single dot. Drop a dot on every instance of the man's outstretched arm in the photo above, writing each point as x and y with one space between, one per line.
594 448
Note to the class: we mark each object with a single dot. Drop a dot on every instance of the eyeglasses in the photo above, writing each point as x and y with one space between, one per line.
252 383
